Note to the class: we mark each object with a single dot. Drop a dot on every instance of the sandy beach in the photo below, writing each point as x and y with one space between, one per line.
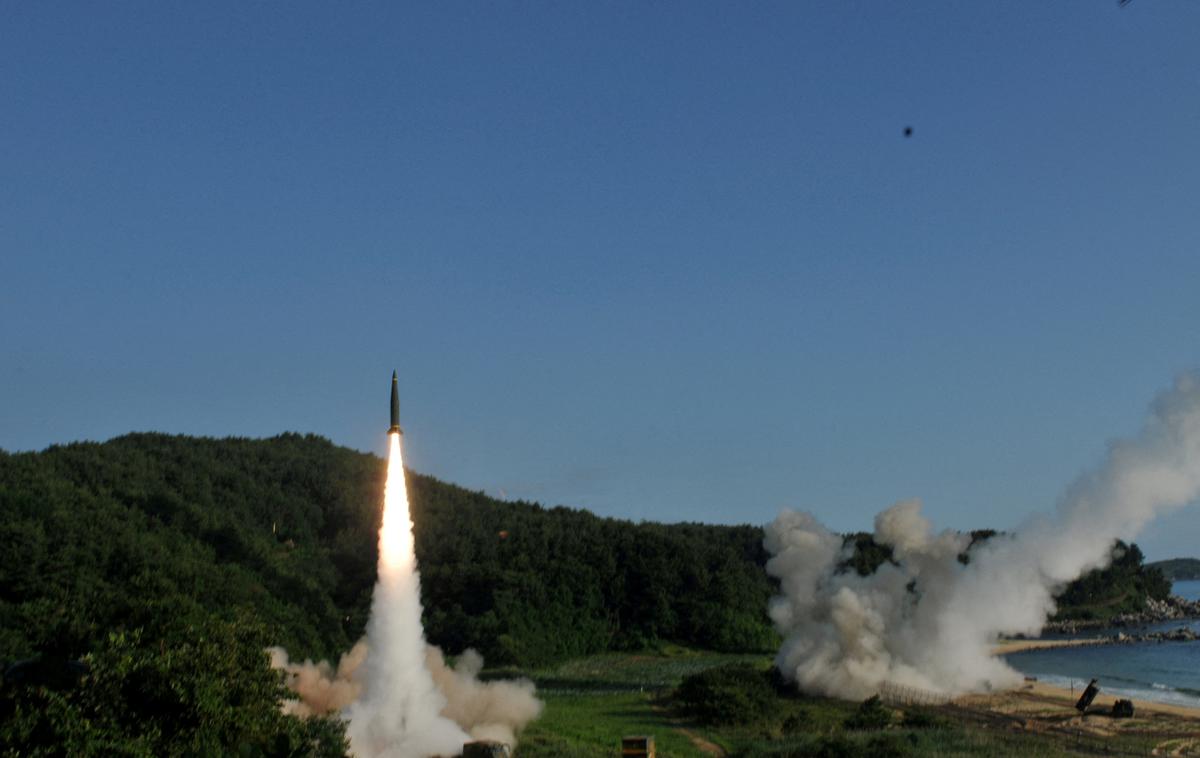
1036 707
1039 696
1039 707
1007 647
1048 692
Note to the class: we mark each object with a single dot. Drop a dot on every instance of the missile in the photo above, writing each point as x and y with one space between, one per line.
395 407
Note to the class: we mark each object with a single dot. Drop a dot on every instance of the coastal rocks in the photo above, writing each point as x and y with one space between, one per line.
1182 634
1172 609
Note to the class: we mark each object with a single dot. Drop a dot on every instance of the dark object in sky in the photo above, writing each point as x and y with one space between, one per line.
395 407
1122 3
1087 697
908 131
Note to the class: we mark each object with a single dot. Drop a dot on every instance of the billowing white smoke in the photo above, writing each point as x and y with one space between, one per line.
395 690
496 710
928 620
320 689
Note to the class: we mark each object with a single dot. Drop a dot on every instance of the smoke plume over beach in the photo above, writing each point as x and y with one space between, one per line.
928 619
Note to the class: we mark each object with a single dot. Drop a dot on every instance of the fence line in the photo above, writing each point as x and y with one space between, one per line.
898 694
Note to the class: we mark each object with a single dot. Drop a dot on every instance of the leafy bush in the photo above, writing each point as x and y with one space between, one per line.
924 720
731 694
797 722
888 746
870 715
201 689
841 746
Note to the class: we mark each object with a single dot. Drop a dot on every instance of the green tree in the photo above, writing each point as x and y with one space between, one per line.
200 690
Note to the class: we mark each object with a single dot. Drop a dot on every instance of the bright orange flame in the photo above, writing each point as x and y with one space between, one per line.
395 534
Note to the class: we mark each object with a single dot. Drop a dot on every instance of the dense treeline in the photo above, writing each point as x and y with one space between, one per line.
526 584
1121 588
121 563
97 537
137 576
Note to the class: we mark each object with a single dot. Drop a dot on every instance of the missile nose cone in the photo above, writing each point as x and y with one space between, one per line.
395 427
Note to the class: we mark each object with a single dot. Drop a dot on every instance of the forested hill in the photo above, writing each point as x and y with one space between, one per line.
147 528
1179 569
96 538
116 536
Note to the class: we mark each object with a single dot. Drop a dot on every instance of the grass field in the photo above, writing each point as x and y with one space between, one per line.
592 702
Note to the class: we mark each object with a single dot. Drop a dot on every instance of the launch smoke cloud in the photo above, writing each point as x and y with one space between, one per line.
927 620
495 710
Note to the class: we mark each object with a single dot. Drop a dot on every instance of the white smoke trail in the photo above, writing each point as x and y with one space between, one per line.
399 712
929 621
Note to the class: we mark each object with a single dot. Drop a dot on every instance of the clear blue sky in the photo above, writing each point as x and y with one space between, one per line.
669 261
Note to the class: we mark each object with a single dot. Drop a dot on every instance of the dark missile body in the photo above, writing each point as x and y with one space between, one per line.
395 429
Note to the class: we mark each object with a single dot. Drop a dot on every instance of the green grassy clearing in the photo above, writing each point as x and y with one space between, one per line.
592 702
580 726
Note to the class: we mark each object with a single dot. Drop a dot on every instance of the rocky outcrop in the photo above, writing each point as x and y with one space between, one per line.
1182 634
1172 609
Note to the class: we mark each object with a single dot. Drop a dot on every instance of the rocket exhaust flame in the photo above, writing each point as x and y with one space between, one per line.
396 554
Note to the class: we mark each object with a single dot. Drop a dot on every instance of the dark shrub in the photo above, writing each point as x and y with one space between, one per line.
842 746
836 747
924 720
887 746
870 715
731 694
797 722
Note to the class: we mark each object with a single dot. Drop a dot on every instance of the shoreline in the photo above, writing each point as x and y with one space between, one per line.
1053 692
1174 608
1006 646
1037 696
1010 646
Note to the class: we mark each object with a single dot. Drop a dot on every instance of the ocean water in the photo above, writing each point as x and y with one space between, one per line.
1189 590
1166 672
